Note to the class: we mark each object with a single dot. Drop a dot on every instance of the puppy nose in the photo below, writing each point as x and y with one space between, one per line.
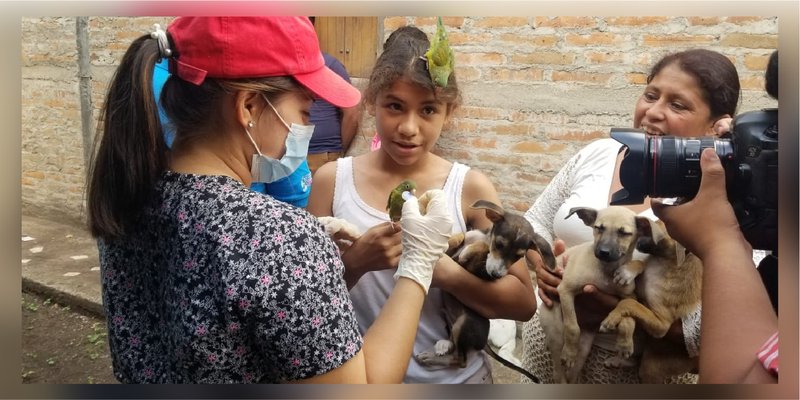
603 253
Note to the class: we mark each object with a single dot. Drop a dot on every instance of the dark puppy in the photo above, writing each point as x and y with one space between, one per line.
487 255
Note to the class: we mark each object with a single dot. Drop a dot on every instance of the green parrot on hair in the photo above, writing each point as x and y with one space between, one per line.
440 56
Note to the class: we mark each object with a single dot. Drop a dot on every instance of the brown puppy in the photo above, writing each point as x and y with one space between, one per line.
667 290
487 255
605 262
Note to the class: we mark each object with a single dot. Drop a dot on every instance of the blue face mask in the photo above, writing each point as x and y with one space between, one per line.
268 170
294 189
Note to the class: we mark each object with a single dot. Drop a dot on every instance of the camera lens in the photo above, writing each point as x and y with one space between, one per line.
664 166
676 163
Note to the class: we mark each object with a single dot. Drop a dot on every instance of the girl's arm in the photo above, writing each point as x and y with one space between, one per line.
510 297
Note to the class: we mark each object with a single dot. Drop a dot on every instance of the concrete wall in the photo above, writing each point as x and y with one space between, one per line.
536 89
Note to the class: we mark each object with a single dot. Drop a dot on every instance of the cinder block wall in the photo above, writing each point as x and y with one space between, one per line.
536 90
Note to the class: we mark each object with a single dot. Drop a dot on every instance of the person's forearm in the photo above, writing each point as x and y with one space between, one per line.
737 316
389 342
353 270
506 298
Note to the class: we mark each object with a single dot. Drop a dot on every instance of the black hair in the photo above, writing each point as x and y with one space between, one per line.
715 74
131 153
771 76
403 57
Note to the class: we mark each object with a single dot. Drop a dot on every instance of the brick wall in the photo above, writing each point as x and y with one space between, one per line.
536 89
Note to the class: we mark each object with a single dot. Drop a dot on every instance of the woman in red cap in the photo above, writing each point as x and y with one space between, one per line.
204 280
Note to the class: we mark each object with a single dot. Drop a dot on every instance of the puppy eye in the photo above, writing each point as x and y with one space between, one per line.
499 246
623 232
600 228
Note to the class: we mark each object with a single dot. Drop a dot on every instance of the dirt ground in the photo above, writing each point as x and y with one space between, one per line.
61 345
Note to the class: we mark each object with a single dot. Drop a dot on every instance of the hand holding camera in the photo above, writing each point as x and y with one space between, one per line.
669 166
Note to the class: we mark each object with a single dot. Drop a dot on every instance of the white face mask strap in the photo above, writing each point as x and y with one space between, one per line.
249 136
276 111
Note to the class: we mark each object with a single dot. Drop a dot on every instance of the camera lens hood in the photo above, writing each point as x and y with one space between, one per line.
633 168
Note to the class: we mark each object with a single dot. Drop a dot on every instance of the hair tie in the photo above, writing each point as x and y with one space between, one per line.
163 43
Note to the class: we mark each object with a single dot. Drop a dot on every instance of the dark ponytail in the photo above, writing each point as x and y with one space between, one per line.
130 152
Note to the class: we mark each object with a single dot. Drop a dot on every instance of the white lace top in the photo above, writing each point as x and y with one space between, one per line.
584 181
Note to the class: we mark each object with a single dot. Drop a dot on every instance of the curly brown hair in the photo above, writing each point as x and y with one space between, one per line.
403 57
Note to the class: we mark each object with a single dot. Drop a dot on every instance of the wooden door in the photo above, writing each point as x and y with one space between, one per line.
352 40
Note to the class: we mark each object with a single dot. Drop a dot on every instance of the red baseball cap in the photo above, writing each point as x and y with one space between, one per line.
256 47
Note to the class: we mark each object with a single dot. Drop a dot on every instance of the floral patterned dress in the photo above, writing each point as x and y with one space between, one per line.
220 284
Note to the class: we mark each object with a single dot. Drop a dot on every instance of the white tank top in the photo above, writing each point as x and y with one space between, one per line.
372 290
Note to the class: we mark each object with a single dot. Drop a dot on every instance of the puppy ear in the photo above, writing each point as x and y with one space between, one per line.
493 211
543 248
586 214
650 233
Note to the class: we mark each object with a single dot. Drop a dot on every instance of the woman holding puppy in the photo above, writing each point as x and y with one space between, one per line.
690 93
410 110
204 280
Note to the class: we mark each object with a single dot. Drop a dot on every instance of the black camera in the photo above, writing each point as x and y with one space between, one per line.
669 166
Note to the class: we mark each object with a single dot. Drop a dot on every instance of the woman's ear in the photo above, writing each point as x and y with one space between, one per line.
247 107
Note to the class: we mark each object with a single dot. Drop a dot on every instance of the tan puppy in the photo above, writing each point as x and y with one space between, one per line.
604 262
667 290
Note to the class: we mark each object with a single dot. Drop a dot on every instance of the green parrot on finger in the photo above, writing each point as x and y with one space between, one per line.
440 56
395 204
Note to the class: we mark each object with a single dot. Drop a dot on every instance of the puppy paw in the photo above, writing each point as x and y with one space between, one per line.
426 358
568 357
619 362
611 322
443 347
623 277
624 348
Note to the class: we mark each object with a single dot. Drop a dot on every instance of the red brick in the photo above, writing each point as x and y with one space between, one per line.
636 78
756 63
579 136
536 40
543 57
743 20
460 38
448 22
392 23
597 57
467 74
704 21
479 58
750 41
752 82
500 22
635 21
588 77
677 40
537 147
565 22
513 129
593 39
480 113
505 74
33 174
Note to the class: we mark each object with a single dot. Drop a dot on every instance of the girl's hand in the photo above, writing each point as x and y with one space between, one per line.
546 280
593 306
376 249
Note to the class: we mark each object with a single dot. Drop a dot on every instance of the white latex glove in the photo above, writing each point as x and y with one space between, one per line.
424 236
